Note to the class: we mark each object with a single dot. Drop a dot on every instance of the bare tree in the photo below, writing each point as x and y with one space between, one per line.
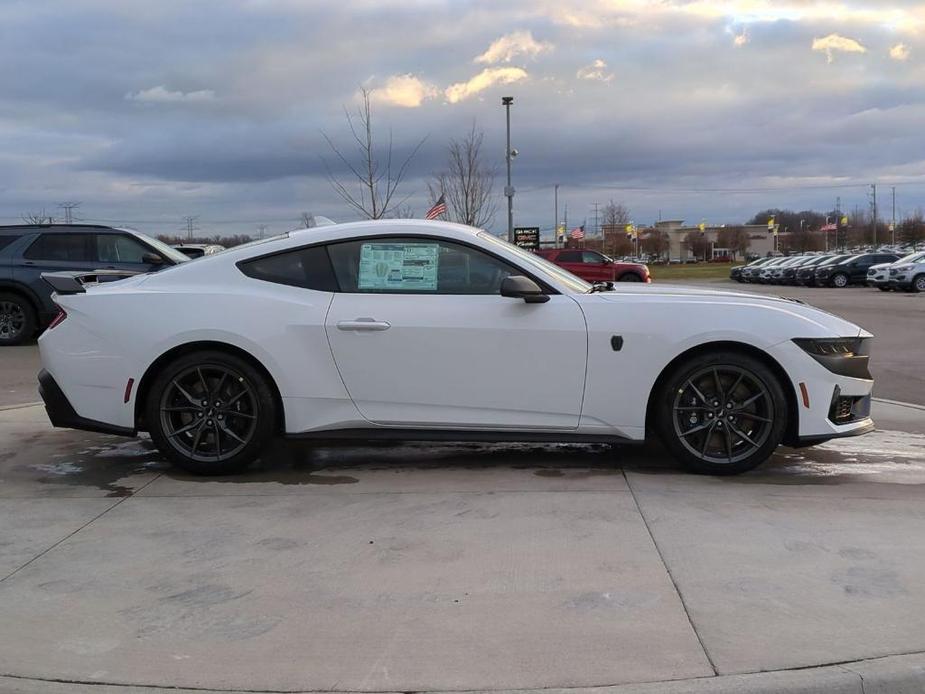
467 182
655 242
735 238
372 182
614 218
38 218
307 220
402 212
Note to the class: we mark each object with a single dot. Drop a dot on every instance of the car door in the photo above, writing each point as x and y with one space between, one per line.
422 338
572 260
52 252
597 266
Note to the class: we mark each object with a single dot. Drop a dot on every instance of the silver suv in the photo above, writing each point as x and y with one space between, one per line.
909 273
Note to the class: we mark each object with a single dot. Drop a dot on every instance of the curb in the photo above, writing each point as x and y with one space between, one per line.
897 674
20 406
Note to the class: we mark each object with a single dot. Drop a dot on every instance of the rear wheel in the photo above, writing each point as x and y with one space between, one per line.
17 319
211 413
840 280
722 413
630 277
918 284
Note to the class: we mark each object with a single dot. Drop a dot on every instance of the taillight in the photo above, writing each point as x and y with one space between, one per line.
57 320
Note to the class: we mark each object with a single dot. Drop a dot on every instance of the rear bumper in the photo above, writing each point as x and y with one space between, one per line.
62 414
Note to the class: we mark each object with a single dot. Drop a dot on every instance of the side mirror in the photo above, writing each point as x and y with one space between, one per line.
520 287
152 259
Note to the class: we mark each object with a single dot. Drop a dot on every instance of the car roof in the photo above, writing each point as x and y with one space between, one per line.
56 227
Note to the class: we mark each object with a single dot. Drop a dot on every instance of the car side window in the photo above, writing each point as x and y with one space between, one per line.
119 248
570 257
61 247
416 266
7 240
591 257
308 268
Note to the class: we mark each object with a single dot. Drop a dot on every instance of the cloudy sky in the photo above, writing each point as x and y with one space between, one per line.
696 109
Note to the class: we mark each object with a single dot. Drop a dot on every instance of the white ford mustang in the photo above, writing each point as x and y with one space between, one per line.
419 330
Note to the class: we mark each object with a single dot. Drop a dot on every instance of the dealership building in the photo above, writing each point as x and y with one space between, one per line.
761 238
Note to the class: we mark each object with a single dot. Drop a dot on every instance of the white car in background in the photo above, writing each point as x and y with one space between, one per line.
409 330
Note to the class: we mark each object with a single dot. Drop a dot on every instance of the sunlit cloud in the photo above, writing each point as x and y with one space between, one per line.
595 71
406 91
900 52
740 39
488 77
509 46
161 95
833 42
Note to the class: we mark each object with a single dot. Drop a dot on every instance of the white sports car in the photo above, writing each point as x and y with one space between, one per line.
419 330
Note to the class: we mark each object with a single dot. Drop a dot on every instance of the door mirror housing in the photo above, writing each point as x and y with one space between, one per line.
520 287
152 259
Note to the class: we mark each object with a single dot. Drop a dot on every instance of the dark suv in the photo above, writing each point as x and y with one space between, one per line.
852 270
28 250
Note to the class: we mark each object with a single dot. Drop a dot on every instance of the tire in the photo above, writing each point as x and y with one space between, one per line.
840 281
235 425
736 438
630 277
918 283
17 319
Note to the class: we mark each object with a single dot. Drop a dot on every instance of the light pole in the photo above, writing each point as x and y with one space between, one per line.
506 101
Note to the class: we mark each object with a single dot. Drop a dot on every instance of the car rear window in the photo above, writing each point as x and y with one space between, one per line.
569 257
308 268
62 247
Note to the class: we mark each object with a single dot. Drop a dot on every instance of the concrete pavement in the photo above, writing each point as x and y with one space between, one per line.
466 567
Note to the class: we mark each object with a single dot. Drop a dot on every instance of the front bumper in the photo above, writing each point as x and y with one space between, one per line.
62 414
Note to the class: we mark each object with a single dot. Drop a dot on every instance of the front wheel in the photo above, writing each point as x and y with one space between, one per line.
840 280
17 320
918 284
722 413
630 277
211 413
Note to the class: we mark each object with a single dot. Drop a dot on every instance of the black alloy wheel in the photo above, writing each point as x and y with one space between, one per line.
17 320
211 413
722 414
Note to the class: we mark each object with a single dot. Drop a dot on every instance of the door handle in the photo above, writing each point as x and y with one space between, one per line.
370 324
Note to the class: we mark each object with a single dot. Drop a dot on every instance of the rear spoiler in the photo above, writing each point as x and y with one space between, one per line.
74 282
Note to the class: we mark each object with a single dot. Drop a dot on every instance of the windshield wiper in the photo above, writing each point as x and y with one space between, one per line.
600 287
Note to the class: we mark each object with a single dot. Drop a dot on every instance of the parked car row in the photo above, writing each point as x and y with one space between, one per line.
885 271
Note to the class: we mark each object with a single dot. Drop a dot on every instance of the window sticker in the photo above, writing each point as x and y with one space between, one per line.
407 267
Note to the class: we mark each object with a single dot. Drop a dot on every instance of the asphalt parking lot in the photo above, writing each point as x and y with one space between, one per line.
411 568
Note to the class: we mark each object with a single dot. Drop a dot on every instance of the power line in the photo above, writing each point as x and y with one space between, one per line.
69 206
190 221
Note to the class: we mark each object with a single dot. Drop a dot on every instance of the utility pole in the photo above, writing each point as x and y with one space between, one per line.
69 208
565 223
873 210
597 227
506 101
893 224
190 221
555 227
837 219
262 228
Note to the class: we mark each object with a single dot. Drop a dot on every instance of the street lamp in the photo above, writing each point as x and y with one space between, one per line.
509 153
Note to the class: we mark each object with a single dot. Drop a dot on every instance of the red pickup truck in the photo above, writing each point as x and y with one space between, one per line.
592 266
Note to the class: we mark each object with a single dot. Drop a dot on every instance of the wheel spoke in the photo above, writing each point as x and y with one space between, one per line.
198 437
182 430
742 435
229 432
690 384
205 386
703 426
749 401
185 394
235 413
182 408
218 439
736 385
237 397
706 440
755 417
720 393
728 436
221 382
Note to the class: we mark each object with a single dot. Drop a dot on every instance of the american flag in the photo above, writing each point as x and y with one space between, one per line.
438 209
578 233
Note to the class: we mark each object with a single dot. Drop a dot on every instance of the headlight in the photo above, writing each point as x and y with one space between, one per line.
902 268
845 356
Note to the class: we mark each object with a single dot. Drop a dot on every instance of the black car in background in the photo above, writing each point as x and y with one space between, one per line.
789 274
806 276
851 270
28 250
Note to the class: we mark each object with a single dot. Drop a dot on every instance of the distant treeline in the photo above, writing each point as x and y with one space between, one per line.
226 241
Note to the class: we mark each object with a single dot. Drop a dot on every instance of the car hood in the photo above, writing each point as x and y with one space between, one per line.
880 266
833 325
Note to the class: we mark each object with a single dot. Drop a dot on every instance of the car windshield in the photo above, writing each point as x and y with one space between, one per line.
162 248
912 258
833 260
573 282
